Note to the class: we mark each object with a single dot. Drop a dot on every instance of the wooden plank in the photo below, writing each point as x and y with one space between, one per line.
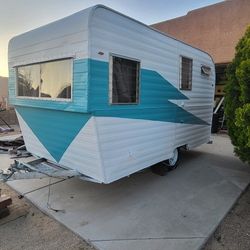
5 201
4 213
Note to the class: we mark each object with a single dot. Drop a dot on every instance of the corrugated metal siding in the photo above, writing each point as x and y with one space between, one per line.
154 104
156 52
128 145
67 37
107 147
83 153
64 38
54 129
32 143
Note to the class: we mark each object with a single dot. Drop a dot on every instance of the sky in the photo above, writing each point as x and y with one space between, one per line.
18 16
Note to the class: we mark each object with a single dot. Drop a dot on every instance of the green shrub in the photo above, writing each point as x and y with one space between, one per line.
237 98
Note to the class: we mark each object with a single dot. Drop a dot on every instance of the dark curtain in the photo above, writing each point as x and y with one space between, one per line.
125 80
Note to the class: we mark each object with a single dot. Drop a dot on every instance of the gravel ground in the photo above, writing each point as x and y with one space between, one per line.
234 231
28 228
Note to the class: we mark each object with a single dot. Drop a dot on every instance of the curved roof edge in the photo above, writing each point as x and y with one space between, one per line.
95 7
91 11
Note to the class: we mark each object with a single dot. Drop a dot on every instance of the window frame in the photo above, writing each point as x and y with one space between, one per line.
111 56
180 74
46 98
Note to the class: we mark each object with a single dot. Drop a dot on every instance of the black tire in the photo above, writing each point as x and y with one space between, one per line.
162 168
172 163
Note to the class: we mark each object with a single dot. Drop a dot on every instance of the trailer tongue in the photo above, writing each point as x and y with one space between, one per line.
38 169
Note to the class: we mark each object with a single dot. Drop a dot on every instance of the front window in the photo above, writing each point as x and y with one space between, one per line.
45 80
28 80
124 80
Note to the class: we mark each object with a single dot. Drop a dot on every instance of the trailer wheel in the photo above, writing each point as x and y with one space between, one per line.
168 165
173 162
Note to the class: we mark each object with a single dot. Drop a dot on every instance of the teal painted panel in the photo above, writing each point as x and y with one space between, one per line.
154 96
155 90
91 94
79 96
169 113
54 129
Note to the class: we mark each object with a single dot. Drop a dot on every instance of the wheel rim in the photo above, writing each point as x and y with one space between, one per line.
173 160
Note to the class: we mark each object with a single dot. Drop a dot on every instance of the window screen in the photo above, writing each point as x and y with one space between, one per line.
124 80
186 73
45 80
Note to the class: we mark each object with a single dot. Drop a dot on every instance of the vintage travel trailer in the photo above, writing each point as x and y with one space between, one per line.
105 95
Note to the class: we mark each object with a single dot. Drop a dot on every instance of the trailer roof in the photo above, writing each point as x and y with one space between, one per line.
80 21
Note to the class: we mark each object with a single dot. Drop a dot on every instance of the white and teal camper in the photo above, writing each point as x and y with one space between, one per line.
106 95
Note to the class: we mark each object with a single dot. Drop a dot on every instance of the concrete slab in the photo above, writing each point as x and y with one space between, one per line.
150 244
145 211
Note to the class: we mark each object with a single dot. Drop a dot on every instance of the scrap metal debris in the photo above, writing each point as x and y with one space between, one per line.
6 130
16 142
3 150
14 147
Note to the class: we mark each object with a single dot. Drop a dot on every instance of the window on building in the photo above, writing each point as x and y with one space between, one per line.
45 80
220 70
124 81
186 73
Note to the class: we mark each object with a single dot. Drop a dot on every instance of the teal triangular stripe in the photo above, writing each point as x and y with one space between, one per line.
170 113
154 98
154 84
54 129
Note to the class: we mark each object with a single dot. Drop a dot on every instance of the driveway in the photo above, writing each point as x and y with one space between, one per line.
145 211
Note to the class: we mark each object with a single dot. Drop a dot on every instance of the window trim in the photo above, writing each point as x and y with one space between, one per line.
46 98
111 56
180 73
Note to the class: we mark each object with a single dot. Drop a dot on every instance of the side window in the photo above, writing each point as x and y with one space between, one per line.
28 81
124 80
45 80
186 73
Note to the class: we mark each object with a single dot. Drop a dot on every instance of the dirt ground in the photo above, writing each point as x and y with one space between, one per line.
234 231
28 228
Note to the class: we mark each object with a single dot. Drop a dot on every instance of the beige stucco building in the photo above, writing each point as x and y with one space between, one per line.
215 29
